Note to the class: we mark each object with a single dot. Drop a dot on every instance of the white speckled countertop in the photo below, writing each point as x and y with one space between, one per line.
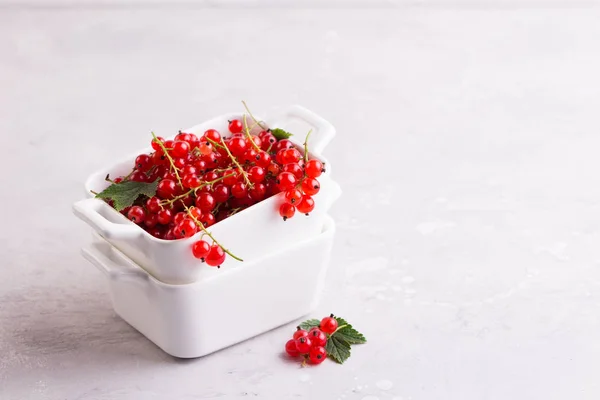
467 247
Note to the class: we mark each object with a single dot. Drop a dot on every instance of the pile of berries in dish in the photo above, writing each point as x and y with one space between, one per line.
189 183
315 339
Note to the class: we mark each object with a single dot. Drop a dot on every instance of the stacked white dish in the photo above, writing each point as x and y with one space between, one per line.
184 306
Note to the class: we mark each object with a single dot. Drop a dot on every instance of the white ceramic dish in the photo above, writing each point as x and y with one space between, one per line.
249 234
193 320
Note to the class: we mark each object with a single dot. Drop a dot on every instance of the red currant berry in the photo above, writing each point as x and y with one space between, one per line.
205 202
290 348
200 249
303 344
200 166
267 142
235 126
207 219
166 189
230 177
213 135
306 205
180 216
295 169
215 256
262 159
158 158
287 211
164 216
210 176
169 144
182 136
258 192
221 193
273 169
293 196
313 168
299 333
155 144
237 146
186 228
143 162
318 337
191 181
285 181
239 190
262 133
153 204
156 232
196 213
328 324
118 180
256 174
249 156
136 214
179 162
279 156
138 176
283 144
151 220
189 170
310 186
290 155
317 355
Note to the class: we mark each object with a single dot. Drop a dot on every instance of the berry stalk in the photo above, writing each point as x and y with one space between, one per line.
171 162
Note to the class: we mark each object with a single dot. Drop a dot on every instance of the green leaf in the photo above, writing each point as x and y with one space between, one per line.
311 323
337 349
347 333
280 134
123 194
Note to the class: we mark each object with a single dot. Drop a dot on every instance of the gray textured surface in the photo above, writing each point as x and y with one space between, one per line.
468 234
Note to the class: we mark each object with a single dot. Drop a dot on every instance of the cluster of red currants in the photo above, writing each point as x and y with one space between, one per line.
311 344
203 180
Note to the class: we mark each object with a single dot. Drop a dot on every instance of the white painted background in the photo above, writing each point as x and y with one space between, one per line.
467 147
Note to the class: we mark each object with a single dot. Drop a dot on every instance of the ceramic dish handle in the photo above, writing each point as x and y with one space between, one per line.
89 211
322 132
98 257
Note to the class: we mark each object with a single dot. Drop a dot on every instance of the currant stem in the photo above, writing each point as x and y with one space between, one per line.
244 174
306 146
248 136
181 196
201 225
164 149
252 116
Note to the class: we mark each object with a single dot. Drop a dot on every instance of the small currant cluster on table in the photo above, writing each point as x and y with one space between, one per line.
190 183
315 339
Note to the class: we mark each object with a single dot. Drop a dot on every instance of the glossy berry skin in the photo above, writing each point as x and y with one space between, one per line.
250 156
213 135
290 155
200 249
136 214
150 220
189 169
179 162
164 216
155 145
153 204
262 159
300 333
303 344
237 146
328 324
207 219
287 211
313 168
166 189
258 192
235 126
290 348
239 190
317 355
221 193
180 149
295 169
186 228
205 202
283 144
268 142
293 196
274 169
286 181
204 148
143 162
138 176
306 205
191 181
256 174
180 216
310 186
215 256
318 337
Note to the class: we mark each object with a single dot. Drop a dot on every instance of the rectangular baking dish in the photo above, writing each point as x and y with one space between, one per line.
249 234
193 320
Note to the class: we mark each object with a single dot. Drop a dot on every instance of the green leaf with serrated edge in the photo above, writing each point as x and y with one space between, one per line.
311 323
123 194
280 134
337 349
347 333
